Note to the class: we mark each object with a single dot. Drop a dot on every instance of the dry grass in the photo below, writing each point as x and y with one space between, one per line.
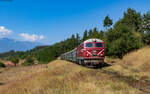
63 77
1 70
136 64
13 74
127 76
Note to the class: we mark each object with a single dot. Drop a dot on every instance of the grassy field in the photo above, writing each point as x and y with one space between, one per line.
131 75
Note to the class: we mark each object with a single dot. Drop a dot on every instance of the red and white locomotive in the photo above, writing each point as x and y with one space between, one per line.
90 52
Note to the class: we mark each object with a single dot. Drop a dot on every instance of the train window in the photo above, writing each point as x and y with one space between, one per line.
89 45
99 45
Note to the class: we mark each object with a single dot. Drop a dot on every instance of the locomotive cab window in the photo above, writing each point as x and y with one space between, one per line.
89 45
99 45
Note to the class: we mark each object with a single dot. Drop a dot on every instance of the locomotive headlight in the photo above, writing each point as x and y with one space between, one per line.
94 51
101 54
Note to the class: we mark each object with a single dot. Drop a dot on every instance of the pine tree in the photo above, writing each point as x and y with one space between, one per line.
85 35
101 35
90 33
73 41
95 33
77 39
107 22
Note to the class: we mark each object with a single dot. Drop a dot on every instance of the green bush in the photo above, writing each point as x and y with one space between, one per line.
28 62
15 60
2 65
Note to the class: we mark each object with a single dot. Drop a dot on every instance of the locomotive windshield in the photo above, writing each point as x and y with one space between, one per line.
89 45
94 45
99 45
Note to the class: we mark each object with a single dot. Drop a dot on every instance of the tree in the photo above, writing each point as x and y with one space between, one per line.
146 28
132 19
107 22
77 39
146 38
85 35
121 40
90 33
73 41
95 33
146 22
101 35
15 60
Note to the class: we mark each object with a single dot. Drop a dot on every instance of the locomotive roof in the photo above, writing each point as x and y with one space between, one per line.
93 40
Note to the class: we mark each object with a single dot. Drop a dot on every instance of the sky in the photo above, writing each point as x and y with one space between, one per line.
51 21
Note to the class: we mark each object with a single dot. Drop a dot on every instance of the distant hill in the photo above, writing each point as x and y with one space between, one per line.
10 44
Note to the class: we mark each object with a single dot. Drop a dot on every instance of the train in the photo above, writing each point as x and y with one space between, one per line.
90 52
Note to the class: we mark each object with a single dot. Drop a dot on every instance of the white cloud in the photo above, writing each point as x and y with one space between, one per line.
32 37
41 37
4 32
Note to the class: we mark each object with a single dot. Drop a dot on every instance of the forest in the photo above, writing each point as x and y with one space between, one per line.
129 33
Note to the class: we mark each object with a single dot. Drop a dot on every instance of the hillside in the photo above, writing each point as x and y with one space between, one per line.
127 76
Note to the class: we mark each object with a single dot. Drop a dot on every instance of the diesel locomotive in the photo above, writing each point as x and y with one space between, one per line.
90 52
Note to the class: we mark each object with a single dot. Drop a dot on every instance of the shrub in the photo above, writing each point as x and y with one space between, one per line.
15 60
28 62
2 65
